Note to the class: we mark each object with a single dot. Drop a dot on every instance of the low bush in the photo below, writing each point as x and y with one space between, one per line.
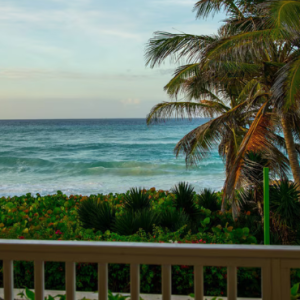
97 214
131 221
173 219
209 200
136 199
185 199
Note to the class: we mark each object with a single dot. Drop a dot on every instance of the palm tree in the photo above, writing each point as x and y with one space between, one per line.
227 96
267 35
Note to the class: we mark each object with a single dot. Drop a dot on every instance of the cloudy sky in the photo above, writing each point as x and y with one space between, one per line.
85 58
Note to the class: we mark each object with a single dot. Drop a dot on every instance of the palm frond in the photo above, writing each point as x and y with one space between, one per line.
236 47
166 110
254 140
197 144
204 8
286 13
175 46
286 89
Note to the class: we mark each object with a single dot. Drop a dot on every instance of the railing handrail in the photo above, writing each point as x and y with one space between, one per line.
274 261
157 249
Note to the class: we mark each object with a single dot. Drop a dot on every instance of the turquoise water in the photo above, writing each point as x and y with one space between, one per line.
98 156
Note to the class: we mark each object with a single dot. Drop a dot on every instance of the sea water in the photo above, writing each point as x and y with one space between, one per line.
98 156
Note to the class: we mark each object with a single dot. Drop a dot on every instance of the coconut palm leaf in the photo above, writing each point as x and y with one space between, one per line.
240 45
165 110
204 8
286 13
197 144
192 88
175 46
254 140
286 88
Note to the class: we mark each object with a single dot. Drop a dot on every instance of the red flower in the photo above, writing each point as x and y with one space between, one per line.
21 237
222 293
184 267
58 232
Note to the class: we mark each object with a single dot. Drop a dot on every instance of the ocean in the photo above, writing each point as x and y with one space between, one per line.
98 156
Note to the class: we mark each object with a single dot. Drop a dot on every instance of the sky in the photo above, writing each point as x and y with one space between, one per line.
85 58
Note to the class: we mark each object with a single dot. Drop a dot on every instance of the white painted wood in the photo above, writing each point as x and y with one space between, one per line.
266 280
232 283
135 281
166 282
39 280
8 278
70 280
102 281
198 282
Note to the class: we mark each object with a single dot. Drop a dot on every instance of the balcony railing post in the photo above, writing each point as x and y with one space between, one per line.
198 282
166 282
70 280
102 281
276 279
39 280
266 281
135 281
8 277
285 282
232 283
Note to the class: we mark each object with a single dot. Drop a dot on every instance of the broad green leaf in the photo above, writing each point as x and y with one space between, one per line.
295 289
29 294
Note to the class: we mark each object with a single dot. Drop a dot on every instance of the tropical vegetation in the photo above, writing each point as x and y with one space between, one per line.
180 216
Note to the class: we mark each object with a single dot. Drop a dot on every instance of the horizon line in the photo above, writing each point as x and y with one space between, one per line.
94 119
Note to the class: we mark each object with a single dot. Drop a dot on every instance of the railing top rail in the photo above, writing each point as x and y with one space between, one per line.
148 249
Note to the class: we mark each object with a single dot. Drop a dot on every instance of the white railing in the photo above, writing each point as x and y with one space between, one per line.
274 261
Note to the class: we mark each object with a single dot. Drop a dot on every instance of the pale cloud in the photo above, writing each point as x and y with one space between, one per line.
190 3
95 23
44 74
131 101
83 49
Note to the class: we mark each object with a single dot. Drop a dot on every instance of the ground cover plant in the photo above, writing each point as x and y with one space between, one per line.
197 220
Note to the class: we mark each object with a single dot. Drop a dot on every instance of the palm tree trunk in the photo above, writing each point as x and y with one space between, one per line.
291 149
229 162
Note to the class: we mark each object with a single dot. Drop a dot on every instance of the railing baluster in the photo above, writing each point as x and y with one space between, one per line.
70 280
198 282
285 283
276 279
231 283
266 281
39 280
135 281
8 277
102 281
166 282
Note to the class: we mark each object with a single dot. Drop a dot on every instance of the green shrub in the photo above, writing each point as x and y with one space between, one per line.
132 221
173 219
136 199
96 215
284 203
209 200
185 199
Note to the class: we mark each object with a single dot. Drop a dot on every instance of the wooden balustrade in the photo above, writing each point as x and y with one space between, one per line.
274 261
